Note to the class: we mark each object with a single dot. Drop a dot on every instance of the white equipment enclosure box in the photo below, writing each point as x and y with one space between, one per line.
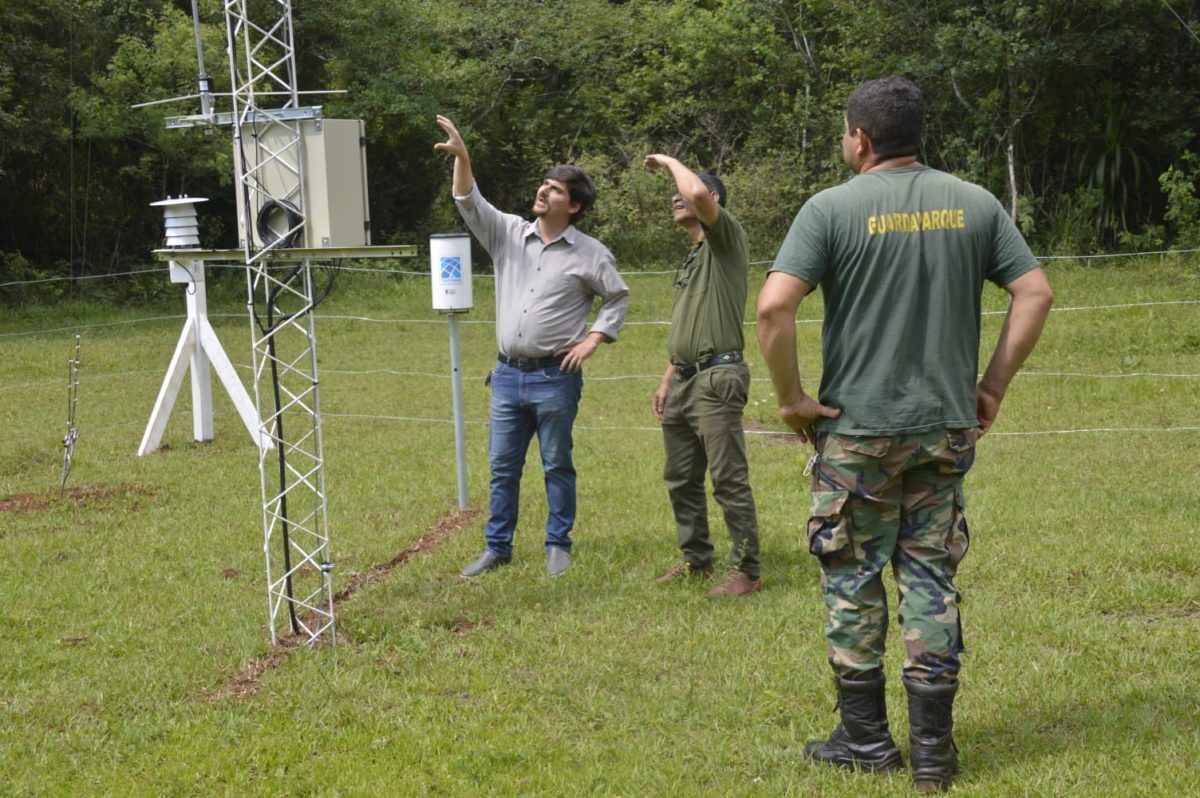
333 166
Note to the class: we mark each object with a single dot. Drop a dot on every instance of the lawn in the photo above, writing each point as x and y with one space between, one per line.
136 658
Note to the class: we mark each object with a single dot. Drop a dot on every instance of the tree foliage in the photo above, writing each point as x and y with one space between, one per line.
1070 112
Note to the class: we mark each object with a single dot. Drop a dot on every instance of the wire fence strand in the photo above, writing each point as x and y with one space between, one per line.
422 374
488 275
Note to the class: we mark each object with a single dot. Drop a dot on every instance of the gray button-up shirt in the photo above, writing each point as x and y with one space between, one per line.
544 292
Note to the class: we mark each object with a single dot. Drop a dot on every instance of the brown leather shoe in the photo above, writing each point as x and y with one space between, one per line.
736 583
685 570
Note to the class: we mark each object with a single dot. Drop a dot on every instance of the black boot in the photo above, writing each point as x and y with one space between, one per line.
931 721
862 739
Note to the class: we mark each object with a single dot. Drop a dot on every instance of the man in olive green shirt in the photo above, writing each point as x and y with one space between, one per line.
901 253
706 384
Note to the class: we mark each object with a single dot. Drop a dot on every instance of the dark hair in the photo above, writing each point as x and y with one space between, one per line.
891 111
579 186
714 184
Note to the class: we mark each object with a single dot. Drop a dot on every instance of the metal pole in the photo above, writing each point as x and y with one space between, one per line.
460 443
204 82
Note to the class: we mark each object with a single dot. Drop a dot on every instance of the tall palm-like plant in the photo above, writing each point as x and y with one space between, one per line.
1114 166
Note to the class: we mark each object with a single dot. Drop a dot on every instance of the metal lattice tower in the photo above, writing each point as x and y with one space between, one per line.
267 140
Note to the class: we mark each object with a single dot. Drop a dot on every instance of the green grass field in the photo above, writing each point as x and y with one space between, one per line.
136 658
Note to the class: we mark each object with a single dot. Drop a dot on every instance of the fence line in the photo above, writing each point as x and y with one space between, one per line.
78 327
815 376
155 270
1112 307
769 433
643 427
487 276
656 429
647 323
612 377
108 375
102 375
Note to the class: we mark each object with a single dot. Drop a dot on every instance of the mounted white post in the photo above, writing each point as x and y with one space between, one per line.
198 347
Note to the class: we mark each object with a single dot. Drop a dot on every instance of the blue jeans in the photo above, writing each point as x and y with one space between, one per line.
544 401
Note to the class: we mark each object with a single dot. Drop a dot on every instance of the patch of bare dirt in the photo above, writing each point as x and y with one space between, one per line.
1185 612
80 496
248 680
463 624
434 537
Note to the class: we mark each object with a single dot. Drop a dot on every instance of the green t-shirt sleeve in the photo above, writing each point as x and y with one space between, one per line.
805 250
728 240
1011 256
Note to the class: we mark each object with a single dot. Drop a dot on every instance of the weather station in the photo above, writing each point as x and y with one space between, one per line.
301 183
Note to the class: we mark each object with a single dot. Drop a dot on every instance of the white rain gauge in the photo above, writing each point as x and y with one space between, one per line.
450 270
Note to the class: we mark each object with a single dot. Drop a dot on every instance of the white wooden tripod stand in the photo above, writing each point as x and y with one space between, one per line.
198 348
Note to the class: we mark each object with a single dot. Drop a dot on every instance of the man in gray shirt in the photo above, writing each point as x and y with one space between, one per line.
547 275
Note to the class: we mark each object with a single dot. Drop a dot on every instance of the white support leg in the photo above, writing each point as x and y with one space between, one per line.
169 390
233 386
197 305
199 349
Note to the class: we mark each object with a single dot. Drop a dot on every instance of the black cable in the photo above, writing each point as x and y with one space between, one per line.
266 234
270 239
282 459
267 329
273 295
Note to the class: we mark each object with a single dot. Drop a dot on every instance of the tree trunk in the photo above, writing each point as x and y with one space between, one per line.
1012 178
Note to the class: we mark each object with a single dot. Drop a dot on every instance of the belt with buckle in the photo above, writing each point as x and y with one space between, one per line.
531 363
719 359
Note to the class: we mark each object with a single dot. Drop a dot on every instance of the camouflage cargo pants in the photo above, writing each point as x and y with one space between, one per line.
895 499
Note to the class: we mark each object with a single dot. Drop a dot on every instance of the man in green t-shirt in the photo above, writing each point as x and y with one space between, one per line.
901 252
706 384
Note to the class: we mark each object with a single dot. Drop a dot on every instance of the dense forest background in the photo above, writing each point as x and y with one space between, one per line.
1082 117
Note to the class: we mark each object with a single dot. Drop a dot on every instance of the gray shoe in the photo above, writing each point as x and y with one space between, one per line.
558 560
486 562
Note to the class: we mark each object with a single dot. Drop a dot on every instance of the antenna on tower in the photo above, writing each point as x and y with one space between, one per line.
203 81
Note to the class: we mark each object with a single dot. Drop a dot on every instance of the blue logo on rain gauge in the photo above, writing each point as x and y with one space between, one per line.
451 269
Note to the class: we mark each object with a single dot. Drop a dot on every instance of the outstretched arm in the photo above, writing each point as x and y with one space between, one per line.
777 304
463 179
1031 298
690 187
